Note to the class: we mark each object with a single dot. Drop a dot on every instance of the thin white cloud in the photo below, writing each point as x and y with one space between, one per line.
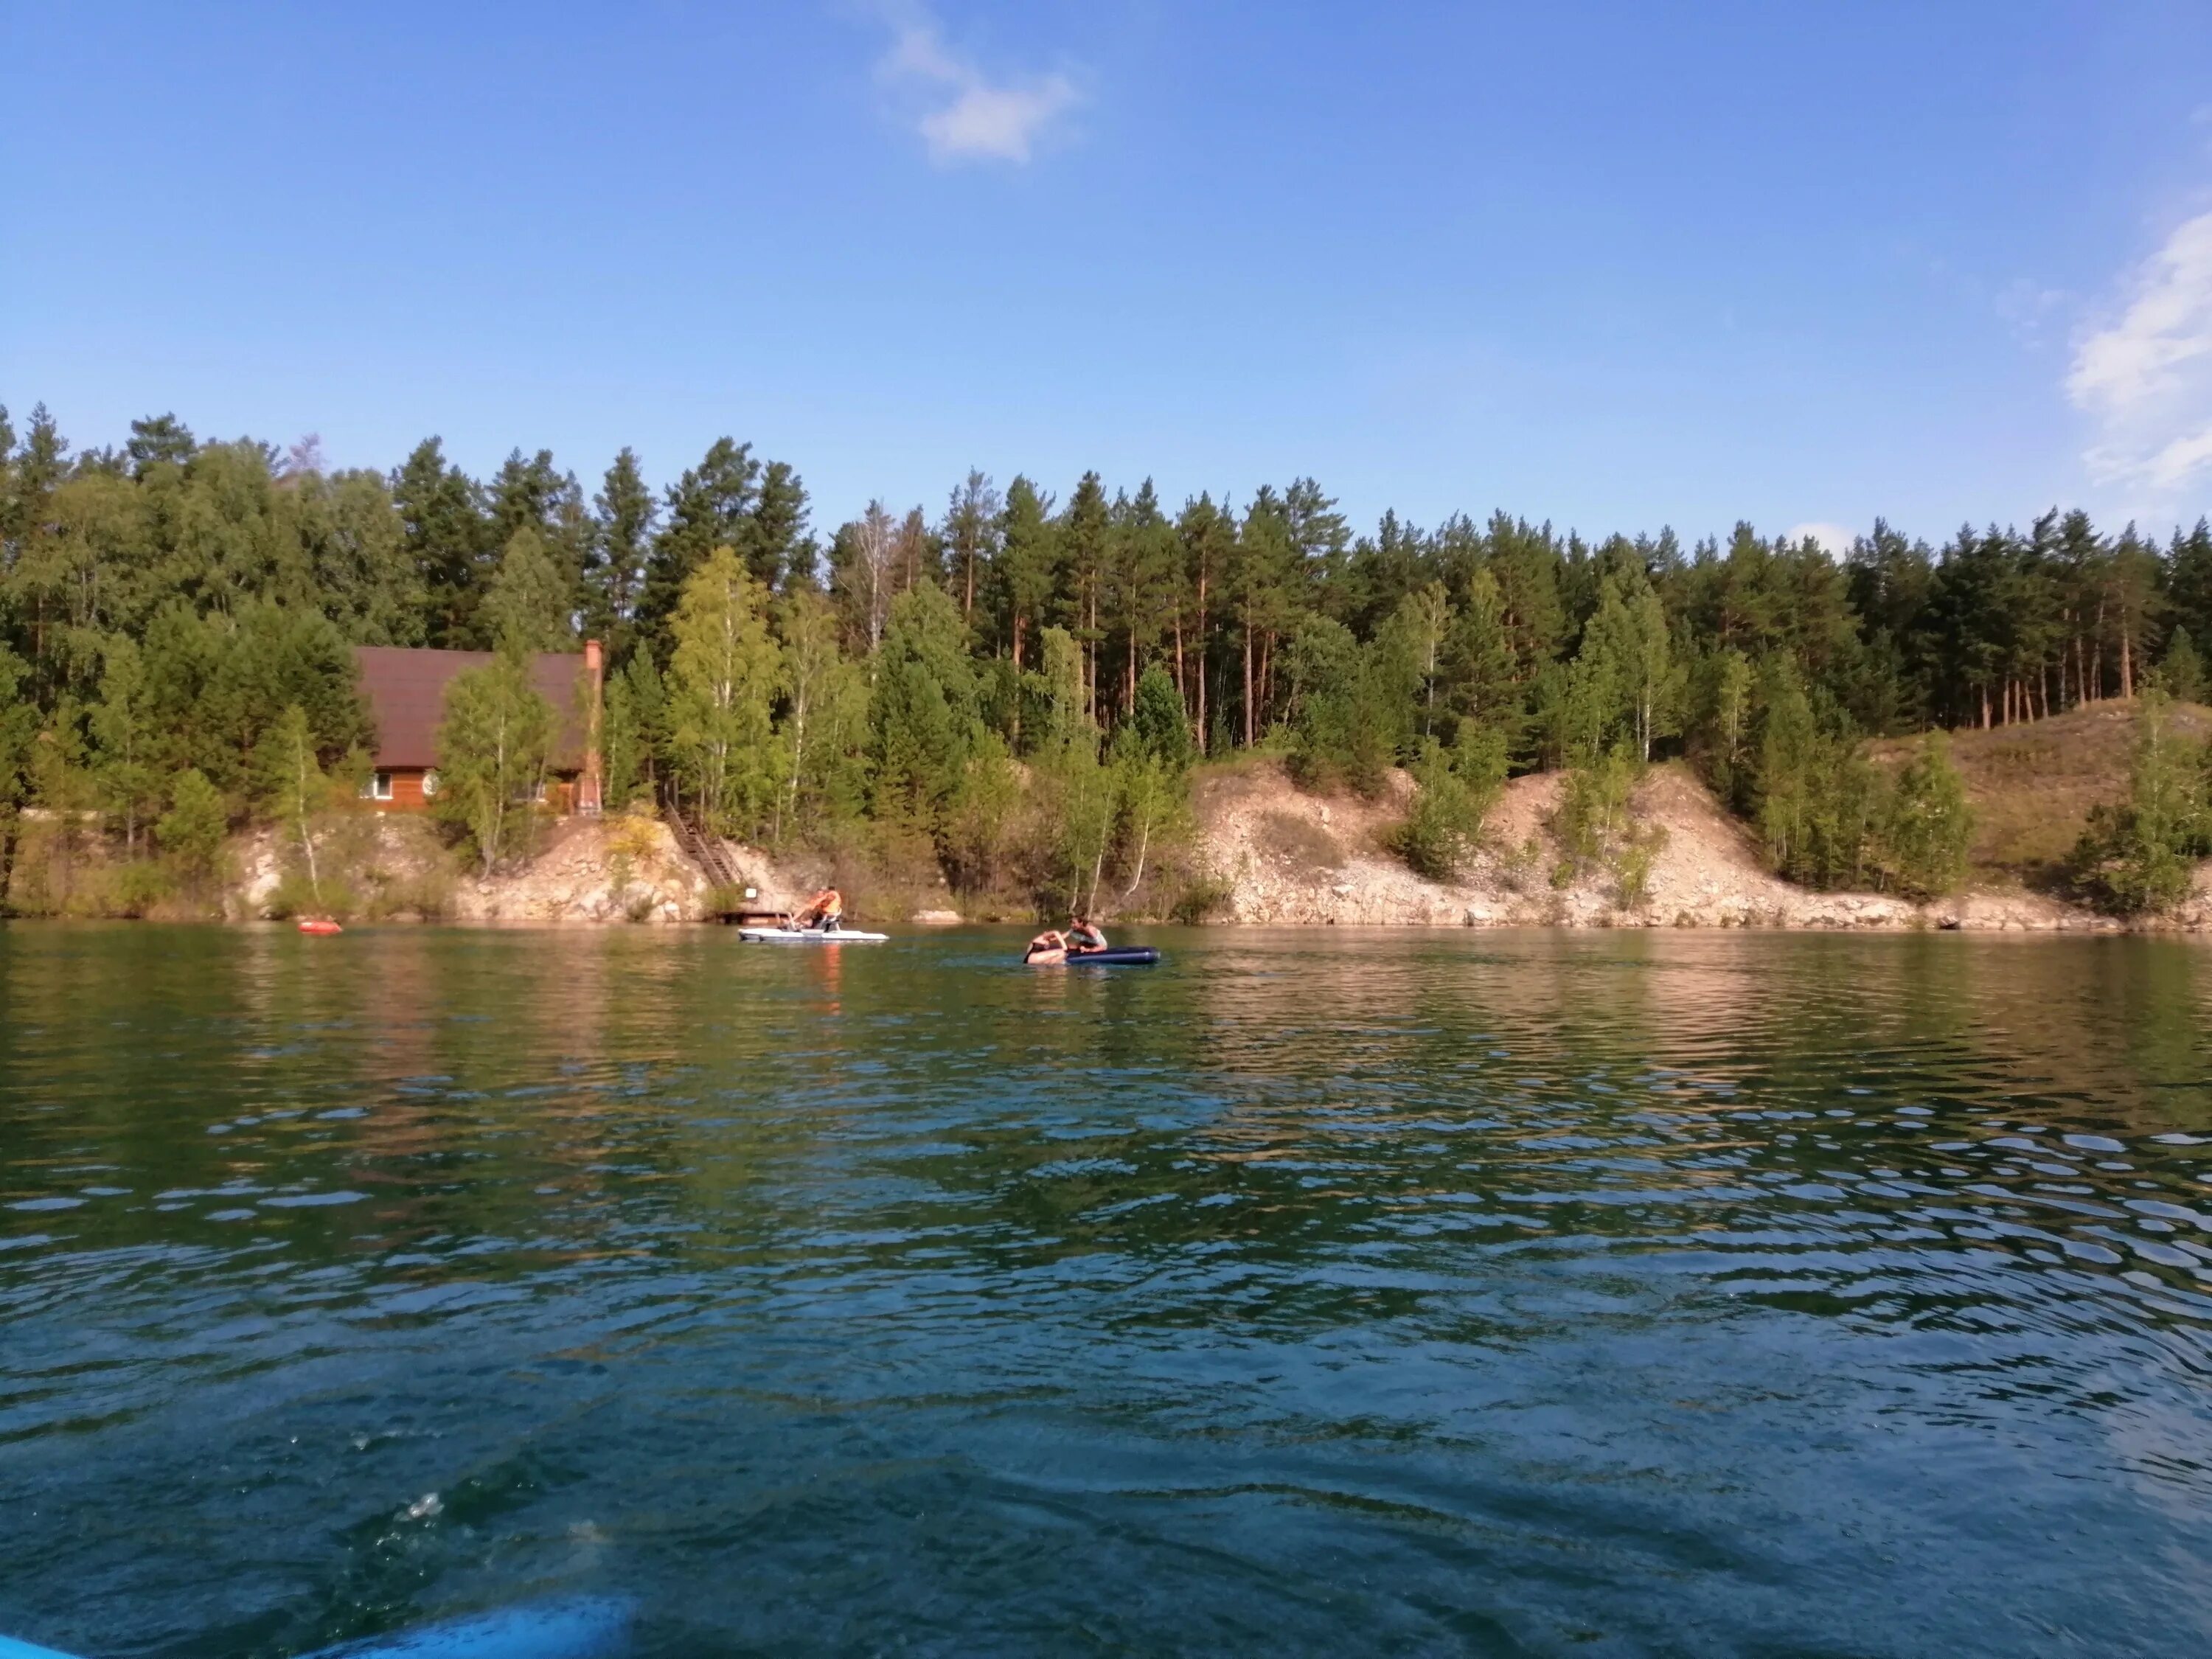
2146 378
964 115
1835 540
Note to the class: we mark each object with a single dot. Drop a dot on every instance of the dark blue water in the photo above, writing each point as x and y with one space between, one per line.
1313 1292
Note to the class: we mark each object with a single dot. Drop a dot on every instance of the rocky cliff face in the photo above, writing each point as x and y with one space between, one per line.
1285 857
1292 858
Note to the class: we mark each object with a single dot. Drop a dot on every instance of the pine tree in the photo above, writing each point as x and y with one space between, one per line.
780 552
1340 727
923 714
2134 857
1141 583
1157 722
2181 671
1930 825
19 728
711 506
1480 668
1454 790
971 538
1207 540
1029 566
526 606
634 733
1261 584
191 832
130 787
1789 761
623 518
448 539
158 440
1086 530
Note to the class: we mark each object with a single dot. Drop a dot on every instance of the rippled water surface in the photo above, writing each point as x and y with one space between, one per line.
1313 1292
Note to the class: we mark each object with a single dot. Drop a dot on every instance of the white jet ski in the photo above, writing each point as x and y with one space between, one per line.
838 935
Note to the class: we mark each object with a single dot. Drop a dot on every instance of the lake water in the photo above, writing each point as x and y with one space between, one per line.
1314 1292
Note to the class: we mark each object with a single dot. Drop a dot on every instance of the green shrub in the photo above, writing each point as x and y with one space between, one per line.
139 887
1928 824
1454 790
1202 898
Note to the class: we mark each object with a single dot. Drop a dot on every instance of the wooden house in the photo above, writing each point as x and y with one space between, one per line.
406 691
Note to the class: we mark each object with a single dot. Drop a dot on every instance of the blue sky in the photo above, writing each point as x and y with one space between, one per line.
1618 266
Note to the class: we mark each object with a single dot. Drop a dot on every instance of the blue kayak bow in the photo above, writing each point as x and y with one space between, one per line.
576 1627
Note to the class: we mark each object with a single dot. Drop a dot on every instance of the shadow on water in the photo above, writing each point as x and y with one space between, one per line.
1430 1292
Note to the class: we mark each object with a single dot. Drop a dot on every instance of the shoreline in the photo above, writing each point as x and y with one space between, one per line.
1259 852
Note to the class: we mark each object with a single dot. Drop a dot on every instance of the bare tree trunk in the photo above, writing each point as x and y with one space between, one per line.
1247 684
2097 632
1143 843
2127 659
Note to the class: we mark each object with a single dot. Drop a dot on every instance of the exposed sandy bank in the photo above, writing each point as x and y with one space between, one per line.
1294 859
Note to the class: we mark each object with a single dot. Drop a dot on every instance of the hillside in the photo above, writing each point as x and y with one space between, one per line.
1289 858
2032 785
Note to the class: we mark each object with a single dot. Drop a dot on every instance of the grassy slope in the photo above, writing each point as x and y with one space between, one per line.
2032 785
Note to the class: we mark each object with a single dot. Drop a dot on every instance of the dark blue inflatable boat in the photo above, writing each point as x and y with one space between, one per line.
1115 956
580 1627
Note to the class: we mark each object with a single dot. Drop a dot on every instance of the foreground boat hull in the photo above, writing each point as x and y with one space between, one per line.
582 1627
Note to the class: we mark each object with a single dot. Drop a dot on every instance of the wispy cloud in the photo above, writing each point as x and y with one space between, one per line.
964 114
1835 541
2147 376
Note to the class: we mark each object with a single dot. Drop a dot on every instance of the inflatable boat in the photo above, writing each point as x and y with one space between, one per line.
1115 955
810 936
582 1628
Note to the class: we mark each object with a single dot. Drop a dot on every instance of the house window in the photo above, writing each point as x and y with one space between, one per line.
379 787
429 785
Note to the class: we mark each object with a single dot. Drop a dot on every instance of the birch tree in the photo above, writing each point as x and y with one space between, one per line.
723 676
493 745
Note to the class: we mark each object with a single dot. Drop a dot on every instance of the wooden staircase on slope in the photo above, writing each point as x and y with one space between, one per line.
730 893
702 849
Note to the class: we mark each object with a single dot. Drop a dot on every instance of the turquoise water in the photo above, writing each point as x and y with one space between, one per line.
1314 1292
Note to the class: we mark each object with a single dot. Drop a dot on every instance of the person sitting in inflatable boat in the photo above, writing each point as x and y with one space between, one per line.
1083 934
1047 947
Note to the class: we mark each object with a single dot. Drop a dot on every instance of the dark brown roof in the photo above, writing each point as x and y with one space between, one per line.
406 692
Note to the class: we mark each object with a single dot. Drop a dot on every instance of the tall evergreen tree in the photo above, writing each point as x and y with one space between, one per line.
448 542
711 506
624 514
971 535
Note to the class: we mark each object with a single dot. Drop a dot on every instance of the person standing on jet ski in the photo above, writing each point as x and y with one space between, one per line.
824 910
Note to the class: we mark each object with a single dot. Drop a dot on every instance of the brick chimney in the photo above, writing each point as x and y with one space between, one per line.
590 795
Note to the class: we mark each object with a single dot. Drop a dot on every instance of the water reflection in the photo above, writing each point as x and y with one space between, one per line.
1414 1292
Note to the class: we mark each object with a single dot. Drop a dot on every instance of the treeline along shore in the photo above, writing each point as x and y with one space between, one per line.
1024 701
